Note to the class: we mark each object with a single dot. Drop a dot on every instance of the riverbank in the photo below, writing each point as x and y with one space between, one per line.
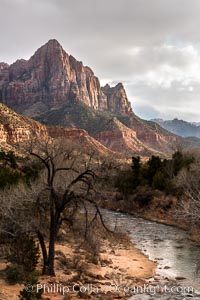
163 209
175 255
120 271
119 266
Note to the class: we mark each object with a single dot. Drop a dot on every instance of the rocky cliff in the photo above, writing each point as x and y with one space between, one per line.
119 138
55 89
153 136
120 133
15 128
117 100
80 137
51 78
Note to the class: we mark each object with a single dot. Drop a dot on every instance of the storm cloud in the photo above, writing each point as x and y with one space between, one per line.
152 46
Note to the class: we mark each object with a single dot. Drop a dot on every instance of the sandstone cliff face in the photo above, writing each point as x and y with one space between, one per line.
52 77
17 129
117 99
80 137
153 136
52 87
119 138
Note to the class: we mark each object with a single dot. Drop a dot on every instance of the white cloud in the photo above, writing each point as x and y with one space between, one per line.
151 45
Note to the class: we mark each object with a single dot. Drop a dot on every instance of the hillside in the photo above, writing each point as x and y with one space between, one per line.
16 130
180 127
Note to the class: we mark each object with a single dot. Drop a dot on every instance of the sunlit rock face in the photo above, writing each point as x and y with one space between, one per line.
117 100
51 77
56 89
15 128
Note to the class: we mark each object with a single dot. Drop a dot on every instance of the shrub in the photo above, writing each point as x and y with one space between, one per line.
15 273
25 252
159 181
155 173
124 182
30 292
31 172
24 258
143 197
8 177
9 157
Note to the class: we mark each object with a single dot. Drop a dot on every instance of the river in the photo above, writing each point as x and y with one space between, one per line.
176 256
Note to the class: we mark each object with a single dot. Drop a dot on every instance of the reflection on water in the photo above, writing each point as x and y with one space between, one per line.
167 245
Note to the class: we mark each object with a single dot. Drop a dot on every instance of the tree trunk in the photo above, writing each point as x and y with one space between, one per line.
52 233
44 252
51 255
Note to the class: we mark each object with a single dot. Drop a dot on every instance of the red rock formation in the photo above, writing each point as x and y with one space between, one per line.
15 128
117 99
81 137
154 136
120 138
52 77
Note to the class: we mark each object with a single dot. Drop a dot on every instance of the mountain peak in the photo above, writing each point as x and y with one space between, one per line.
51 78
52 43
107 86
119 85
117 99
52 47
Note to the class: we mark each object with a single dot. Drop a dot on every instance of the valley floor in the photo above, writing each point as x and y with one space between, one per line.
120 267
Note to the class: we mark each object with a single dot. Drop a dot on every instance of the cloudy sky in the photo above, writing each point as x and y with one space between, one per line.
152 46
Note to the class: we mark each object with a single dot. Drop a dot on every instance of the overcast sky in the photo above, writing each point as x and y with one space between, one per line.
152 46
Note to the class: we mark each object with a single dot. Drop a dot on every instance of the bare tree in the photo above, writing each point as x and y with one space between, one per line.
67 183
69 179
188 180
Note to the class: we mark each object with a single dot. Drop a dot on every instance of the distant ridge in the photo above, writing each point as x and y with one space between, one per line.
180 127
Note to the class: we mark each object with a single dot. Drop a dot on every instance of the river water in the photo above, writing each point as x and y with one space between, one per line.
170 247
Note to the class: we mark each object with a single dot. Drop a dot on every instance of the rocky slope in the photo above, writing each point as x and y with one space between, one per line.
15 130
56 89
124 134
118 137
80 137
151 134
